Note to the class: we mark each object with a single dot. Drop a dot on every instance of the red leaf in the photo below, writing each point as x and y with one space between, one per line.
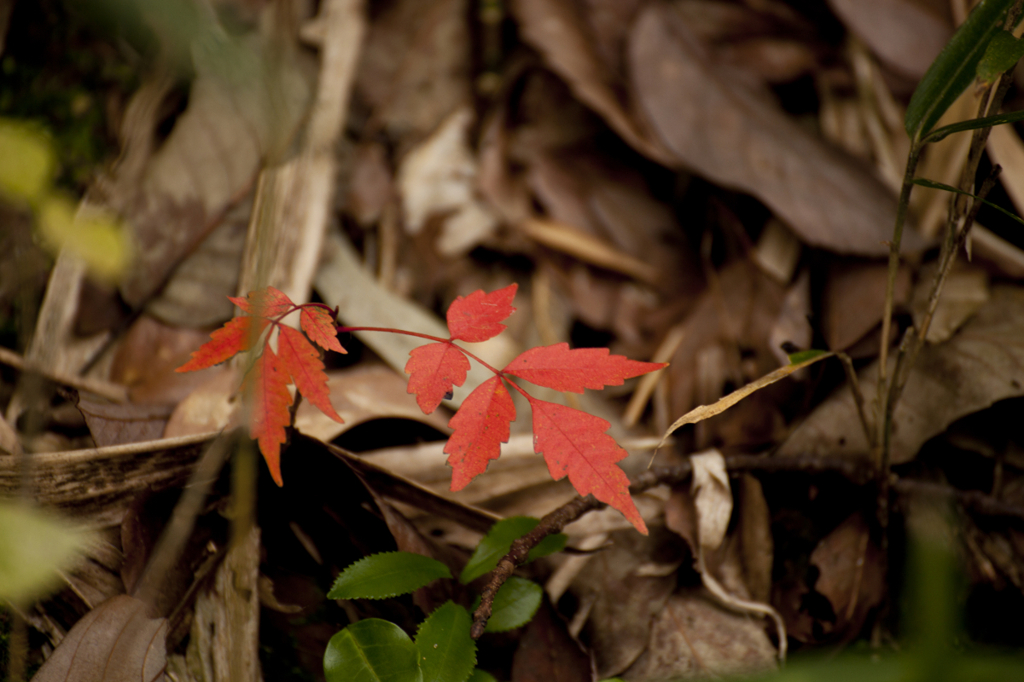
267 384
478 317
481 426
268 302
238 334
433 369
319 326
562 369
298 357
575 443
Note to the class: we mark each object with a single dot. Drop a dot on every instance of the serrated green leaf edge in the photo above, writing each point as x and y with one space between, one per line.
495 545
372 649
974 123
931 184
954 68
1002 53
481 676
447 652
805 355
385 575
514 604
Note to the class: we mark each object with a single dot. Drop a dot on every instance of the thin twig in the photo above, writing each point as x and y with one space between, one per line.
858 397
104 389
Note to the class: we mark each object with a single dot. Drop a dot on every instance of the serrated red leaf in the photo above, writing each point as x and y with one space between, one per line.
319 327
297 356
269 302
267 385
433 370
238 334
563 369
478 317
575 443
481 425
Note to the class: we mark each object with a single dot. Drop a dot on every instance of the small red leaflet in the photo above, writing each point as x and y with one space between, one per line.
573 443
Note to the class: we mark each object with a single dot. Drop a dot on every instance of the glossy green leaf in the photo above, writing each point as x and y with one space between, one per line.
498 542
34 547
974 123
481 676
372 650
1002 53
955 67
924 182
514 605
381 576
447 653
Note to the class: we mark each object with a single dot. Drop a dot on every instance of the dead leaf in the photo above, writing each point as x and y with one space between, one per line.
116 641
982 363
965 291
692 637
547 652
854 299
736 136
757 550
371 186
211 406
904 33
852 575
112 424
712 498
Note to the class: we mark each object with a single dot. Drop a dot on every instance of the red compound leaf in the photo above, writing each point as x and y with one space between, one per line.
478 317
268 302
563 369
238 334
481 426
267 384
319 326
433 370
297 356
575 443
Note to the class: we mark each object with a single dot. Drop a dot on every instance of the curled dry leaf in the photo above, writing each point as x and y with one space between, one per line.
712 497
739 138
906 34
115 642
982 363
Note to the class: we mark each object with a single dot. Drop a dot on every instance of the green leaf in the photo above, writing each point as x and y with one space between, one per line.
99 240
372 650
514 605
447 653
924 182
805 355
498 542
27 161
481 676
1002 54
986 122
34 547
380 576
954 68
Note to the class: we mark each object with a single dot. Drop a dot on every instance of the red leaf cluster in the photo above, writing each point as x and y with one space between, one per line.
573 443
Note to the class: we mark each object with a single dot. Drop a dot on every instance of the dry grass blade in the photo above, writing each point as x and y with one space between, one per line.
699 414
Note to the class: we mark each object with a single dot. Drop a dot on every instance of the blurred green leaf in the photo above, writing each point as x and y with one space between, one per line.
805 355
372 650
34 546
27 161
1001 55
481 676
447 653
98 240
381 576
954 68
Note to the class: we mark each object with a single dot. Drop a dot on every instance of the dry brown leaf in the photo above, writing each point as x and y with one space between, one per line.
371 186
852 575
736 136
693 637
757 549
211 406
965 291
147 356
854 299
712 498
112 424
982 363
905 34
116 641
547 652
240 109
